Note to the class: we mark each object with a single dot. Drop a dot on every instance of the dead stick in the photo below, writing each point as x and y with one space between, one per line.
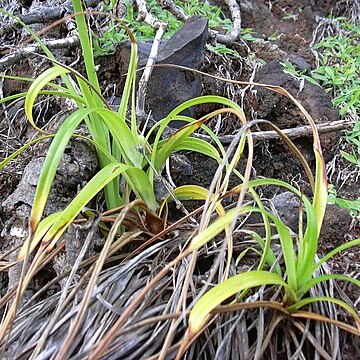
234 34
141 94
23 52
146 16
174 9
301 131
44 14
235 13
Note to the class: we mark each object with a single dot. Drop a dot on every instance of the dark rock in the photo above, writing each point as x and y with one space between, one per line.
292 36
180 165
255 12
186 46
336 225
77 166
25 191
144 48
283 113
267 50
167 87
298 62
114 67
287 205
170 87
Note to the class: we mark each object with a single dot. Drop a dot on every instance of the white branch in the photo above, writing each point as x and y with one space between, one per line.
174 9
141 93
146 16
234 35
23 52
235 12
301 131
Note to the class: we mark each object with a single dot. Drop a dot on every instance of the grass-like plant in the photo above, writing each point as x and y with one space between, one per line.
121 148
299 274
339 63
123 151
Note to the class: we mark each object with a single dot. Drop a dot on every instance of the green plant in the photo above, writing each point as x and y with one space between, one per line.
274 37
222 49
115 33
338 73
122 150
296 277
205 9
113 136
247 34
289 15
106 43
301 76
353 145
300 264
352 205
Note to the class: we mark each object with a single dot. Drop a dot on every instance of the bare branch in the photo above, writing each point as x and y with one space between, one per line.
146 16
234 35
302 131
174 9
292 133
45 14
23 52
235 12
141 94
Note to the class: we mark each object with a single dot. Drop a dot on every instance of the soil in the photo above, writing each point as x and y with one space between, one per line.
272 159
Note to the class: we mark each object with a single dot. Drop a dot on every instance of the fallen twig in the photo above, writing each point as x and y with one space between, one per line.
174 9
146 16
301 131
45 14
141 93
24 52
235 12
234 34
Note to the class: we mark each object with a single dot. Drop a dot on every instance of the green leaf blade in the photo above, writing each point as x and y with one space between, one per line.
214 297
